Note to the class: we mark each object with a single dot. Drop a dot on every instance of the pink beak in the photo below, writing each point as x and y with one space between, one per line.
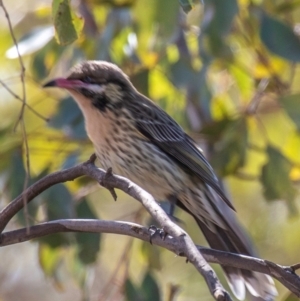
65 83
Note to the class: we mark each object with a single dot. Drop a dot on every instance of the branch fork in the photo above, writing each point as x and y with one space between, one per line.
178 241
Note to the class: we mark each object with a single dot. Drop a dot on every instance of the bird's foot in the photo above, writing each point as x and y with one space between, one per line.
105 183
156 231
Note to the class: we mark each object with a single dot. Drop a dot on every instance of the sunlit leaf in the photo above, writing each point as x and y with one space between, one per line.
213 131
291 104
290 297
88 243
118 19
280 38
67 25
50 260
158 24
286 7
275 177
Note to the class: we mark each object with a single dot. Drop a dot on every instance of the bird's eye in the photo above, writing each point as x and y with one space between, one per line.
88 80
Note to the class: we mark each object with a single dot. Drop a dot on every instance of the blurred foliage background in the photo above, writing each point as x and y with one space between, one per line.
225 70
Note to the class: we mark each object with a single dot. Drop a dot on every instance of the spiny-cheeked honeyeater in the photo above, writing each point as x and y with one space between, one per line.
140 141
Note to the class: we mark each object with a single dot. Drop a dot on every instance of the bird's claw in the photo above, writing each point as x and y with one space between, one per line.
106 185
154 231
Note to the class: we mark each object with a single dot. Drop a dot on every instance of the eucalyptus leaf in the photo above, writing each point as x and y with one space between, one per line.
88 243
279 38
150 288
275 178
67 26
291 104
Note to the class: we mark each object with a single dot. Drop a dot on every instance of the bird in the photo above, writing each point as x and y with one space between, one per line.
137 139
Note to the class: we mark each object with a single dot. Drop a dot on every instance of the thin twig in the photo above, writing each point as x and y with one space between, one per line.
21 115
254 103
9 90
22 75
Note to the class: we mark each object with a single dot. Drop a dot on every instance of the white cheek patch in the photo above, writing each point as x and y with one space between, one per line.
95 88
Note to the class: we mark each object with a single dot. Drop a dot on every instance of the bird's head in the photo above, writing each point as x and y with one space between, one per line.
101 83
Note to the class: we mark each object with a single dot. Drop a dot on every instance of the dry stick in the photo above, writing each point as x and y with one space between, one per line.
111 181
286 275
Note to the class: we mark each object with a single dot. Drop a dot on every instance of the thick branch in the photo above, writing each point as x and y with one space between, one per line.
285 275
179 243
111 181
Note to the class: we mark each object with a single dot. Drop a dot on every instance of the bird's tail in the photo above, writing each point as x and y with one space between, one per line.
230 237
236 241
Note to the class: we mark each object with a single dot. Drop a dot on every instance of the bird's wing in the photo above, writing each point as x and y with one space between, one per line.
163 131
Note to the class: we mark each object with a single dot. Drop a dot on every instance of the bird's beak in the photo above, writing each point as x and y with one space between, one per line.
65 83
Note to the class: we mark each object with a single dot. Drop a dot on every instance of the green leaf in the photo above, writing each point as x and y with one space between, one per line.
158 24
214 130
230 147
118 19
217 27
286 7
279 38
69 118
49 259
150 289
70 160
275 178
141 81
152 254
59 206
41 64
223 15
131 292
186 5
88 243
59 202
67 26
17 174
291 297
182 73
291 104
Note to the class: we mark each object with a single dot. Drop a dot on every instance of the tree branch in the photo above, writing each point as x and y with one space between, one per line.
110 181
285 275
179 242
